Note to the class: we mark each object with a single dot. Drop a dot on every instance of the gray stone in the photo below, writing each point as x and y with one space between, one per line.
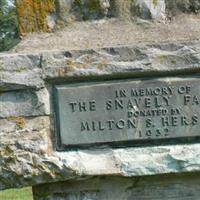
150 9
64 10
24 149
167 187
70 10
127 111
24 103
175 7
28 157
20 71
27 131
112 40
113 33
73 10
129 60
135 59
51 20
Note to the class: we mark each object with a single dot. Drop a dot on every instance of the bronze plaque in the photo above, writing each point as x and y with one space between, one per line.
127 111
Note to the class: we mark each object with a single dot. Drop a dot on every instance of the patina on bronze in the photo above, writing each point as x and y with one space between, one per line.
133 110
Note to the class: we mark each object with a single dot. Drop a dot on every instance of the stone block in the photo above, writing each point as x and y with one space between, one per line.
24 103
20 72
128 60
176 187
28 151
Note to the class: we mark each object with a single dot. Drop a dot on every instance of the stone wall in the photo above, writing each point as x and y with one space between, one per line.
28 154
166 187
36 16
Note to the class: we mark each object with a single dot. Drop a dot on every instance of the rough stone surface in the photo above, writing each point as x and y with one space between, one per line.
122 60
98 9
24 103
29 158
147 9
114 188
103 40
111 33
37 16
20 72
126 60
175 7
28 153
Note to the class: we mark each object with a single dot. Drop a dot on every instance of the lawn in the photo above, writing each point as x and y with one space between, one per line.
17 194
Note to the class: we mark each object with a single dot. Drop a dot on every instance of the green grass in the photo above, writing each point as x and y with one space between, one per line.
17 194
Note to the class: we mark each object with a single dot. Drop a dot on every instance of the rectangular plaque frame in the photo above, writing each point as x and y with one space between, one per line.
132 111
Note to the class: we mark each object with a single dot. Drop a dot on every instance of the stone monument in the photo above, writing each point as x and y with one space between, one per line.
103 101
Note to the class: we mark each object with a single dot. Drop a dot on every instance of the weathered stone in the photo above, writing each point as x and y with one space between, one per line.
33 15
25 145
26 71
107 49
114 188
127 60
112 33
27 157
50 15
64 8
20 72
175 7
50 166
150 9
24 103
144 9
130 111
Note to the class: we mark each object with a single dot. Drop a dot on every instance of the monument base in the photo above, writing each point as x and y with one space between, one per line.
165 187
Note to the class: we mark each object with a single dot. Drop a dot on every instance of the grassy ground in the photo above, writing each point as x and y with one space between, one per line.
16 194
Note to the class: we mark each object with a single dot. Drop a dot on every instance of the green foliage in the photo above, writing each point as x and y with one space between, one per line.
8 25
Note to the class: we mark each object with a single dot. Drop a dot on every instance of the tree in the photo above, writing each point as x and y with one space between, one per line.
8 25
